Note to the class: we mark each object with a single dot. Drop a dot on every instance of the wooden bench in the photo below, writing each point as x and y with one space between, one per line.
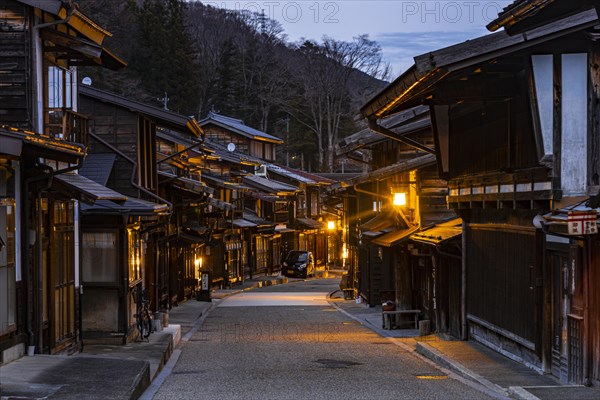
387 317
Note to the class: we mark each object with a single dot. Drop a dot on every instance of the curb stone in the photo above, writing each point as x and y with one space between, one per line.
435 355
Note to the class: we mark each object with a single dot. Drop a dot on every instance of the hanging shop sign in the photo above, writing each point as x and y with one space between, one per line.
582 222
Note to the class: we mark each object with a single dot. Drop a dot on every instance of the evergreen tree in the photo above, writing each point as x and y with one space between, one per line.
164 55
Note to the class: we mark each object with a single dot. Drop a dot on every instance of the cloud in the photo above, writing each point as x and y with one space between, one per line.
400 48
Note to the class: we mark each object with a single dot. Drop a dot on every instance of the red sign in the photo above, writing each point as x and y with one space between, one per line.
582 222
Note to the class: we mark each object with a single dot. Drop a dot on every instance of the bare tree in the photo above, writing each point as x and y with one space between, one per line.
324 75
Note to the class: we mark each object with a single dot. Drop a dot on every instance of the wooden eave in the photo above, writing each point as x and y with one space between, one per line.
389 171
405 123
74 51
524 15
164 118
415 86
76 20
86 26
516 12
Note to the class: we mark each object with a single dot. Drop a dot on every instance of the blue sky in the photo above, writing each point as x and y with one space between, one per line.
403 28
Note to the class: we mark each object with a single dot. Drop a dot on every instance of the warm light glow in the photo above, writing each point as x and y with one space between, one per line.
399 199
198 262
344 252
331 225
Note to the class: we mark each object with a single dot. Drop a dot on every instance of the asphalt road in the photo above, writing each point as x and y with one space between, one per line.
287 342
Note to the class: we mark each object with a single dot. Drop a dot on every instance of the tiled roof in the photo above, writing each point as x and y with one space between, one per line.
238 126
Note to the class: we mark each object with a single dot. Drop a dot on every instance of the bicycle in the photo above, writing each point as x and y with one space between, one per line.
143 315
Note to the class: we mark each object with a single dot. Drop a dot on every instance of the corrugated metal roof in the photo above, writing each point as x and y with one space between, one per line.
132 205
238 126
270 186
381 221
394 237
309 223
98 167
243 223
90 190
439 233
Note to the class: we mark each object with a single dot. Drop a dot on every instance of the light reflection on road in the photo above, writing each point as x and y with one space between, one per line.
270 299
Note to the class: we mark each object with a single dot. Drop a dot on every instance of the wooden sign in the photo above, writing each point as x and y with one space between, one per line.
582 222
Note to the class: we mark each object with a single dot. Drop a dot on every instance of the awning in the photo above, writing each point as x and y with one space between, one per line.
220 204
394 169
243 223
195 226
283 229
439 233
187 184
78 51
131 206
270 186
394 237
374 234
84 189
19 143
309 223
384 219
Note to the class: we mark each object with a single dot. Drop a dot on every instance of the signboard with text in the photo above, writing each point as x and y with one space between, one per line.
582 222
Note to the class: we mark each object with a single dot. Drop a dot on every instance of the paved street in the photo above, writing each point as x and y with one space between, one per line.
288 342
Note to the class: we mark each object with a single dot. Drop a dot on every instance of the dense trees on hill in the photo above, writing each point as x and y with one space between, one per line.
240 64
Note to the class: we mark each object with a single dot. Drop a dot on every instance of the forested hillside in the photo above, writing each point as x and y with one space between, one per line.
242 65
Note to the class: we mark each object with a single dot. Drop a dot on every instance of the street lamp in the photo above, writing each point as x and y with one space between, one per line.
331 229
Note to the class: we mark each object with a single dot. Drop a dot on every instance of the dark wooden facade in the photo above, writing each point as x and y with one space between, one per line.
516 137
40 281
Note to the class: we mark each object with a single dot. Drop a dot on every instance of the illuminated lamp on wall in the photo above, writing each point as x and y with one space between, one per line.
399 199
331 225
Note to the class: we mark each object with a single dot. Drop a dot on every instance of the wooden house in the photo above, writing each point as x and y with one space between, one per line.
516 137
158 250
42 144
385 263
232 132
309 226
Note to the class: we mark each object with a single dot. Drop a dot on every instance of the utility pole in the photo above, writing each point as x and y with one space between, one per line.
287 139
165 101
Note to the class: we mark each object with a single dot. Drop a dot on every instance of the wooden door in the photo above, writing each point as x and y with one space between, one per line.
454 296
560 311
62 276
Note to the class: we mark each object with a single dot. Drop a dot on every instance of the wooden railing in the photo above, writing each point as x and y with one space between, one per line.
67 125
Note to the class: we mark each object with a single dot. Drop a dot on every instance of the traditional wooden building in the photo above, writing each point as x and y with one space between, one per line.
160 251
234 134
42 144
516 137
388 265
310 231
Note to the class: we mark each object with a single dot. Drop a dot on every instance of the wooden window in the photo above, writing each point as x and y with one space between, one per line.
134 244
100 257
262 257
147 175
60 118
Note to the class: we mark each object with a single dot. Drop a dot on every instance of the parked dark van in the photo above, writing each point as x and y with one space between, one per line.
298 263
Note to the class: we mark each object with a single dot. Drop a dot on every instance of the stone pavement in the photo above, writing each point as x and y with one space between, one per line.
110 371
134 370
493 371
